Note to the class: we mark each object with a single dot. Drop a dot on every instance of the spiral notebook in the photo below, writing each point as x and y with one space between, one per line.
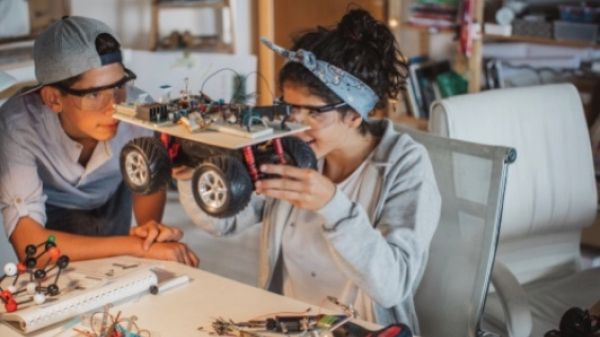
84 286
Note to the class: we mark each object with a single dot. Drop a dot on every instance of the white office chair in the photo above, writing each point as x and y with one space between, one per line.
471 178
550 196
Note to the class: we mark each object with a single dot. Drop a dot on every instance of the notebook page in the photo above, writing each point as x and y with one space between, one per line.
86 286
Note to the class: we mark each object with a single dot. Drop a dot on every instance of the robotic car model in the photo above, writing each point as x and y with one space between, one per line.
225 143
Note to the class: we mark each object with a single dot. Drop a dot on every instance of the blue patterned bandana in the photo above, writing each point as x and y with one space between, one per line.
350 89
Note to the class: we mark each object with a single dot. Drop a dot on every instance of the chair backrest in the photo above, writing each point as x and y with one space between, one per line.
471 178
551 193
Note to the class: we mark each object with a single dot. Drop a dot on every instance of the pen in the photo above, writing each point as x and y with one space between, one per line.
172 283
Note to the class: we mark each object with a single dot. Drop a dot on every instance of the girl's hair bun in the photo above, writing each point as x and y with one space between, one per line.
358 44
360 27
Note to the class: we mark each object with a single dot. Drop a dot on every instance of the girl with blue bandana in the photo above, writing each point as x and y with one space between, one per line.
359 227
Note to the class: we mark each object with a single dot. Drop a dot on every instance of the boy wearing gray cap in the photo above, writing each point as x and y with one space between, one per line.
59 154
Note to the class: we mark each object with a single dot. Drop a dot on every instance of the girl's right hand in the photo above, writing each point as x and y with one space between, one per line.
182 172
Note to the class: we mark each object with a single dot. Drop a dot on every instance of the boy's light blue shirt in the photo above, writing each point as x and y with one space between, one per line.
39 163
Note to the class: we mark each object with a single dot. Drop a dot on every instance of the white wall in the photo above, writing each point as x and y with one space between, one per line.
156 69
14 16
131 20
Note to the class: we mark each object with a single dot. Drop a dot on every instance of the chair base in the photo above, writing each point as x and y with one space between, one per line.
548 301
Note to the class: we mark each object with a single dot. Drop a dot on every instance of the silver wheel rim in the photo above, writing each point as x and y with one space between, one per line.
136 168
212 189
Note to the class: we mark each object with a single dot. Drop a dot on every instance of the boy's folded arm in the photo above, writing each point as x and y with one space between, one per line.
81 247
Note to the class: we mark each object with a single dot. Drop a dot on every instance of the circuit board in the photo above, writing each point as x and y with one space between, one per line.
230 136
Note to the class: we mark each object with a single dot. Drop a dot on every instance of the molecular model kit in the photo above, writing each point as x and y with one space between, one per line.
36 278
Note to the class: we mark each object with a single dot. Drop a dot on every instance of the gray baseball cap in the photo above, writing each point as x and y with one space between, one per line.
67 48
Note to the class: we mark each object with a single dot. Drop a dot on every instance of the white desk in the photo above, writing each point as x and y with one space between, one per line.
180 311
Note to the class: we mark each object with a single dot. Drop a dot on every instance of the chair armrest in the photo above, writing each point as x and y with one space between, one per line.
514 301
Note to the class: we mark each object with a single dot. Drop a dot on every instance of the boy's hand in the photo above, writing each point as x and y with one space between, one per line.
172 251
153 231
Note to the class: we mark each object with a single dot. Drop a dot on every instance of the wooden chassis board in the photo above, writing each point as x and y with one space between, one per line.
213 137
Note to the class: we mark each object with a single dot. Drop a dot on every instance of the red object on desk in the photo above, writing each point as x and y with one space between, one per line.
394 330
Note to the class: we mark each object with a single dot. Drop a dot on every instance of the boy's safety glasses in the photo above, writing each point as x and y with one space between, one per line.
98 98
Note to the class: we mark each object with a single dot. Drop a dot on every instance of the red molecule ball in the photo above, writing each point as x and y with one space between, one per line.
21 267
11 305
54 253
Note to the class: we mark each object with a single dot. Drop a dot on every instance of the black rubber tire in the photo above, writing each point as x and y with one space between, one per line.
300 152
232 177
153 165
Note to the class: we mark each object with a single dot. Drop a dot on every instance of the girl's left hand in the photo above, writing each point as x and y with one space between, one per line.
301 187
